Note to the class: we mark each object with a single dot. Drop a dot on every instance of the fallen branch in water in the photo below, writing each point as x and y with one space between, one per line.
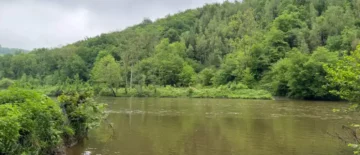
352 134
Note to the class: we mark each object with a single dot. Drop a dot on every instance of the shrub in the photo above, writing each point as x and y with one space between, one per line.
82 113
6 83
30 123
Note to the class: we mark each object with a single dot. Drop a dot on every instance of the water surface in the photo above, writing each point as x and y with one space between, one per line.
153 126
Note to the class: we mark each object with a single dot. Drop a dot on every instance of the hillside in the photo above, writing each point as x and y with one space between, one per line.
277 45
4 50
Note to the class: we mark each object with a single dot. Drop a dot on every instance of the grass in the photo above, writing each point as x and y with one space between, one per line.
231 92
172 92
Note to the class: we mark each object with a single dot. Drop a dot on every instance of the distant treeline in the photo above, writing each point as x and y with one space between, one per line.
4 50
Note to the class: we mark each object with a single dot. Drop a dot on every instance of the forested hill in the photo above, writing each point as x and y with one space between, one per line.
277 45
4 50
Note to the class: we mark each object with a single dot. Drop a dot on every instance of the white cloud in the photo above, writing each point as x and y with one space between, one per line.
38 23
29 24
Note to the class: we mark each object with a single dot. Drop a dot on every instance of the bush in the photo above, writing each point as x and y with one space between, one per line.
82 112
9 129
18 96
30 123
205 76
6 83
238 91
237 86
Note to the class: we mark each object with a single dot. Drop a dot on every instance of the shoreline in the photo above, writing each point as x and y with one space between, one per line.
174 92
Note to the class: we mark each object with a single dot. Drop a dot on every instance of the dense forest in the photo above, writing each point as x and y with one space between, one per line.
280 46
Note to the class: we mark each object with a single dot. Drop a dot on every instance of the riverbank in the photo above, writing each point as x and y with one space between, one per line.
191 92
173 92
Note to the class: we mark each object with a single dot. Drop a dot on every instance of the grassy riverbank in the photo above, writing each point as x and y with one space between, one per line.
191 92
232 90
172 92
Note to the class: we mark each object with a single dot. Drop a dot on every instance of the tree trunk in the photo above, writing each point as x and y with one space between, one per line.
155 90
126 82
131 76
113 91
126 76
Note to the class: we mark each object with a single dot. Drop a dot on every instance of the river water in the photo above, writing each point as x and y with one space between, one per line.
154 126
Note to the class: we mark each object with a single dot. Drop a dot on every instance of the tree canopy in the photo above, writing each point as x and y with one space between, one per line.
278 45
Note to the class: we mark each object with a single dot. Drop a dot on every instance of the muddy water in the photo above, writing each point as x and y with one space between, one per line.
150 126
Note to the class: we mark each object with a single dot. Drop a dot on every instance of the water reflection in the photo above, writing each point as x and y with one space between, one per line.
217 127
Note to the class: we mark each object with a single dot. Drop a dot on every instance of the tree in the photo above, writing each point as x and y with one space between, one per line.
344 77
302 76
166 65
187 75
75 65
206 75
331 23
345 80
107 71
244 23
248 78
277 46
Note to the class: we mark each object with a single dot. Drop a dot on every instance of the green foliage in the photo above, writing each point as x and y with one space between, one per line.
20 96
248 78
6 83
205 76
235 91
293 76
344 80
75 65
10 127
249 42
299 49
82 113
30 123
166 66
187 76
106 71
344 77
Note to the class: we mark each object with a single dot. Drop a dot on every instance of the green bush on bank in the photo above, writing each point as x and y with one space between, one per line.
82 114
32 123
235 90
234 94
225 91
6 83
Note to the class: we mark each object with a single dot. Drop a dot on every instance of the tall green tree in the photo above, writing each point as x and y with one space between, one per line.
108 72
301 75
344 77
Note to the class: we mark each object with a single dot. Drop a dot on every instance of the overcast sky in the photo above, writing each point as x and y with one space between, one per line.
32 24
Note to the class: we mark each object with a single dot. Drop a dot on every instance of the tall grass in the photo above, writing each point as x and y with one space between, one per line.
191 92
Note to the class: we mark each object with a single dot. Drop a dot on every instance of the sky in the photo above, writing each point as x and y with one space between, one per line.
29 24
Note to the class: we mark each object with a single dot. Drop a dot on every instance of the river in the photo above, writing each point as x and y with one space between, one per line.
155 126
